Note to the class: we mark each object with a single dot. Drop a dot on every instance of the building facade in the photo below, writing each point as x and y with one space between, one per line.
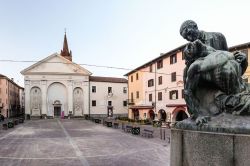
9 97
56 86
161 88
108 97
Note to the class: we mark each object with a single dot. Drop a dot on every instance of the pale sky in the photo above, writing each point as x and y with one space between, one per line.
119 33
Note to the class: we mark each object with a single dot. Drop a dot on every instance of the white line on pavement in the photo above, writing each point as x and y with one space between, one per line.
75 147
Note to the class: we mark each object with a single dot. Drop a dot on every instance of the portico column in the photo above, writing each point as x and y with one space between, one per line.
44 96
70 97
27 97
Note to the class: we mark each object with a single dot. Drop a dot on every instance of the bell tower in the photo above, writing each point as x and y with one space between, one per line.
65 51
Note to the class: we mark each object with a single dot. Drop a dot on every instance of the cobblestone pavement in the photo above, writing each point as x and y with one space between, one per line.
78 143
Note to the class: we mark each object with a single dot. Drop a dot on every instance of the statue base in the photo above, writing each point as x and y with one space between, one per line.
224 141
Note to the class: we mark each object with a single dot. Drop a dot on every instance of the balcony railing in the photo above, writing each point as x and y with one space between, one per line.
130 101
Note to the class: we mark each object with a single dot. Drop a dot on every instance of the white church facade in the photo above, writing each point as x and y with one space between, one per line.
56 87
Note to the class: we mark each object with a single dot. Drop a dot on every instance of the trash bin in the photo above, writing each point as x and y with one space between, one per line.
135 130
10 124
109 124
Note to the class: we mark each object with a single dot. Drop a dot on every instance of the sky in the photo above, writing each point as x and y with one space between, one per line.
116 33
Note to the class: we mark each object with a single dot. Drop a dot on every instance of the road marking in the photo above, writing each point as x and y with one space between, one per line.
90 156
73 144
37 158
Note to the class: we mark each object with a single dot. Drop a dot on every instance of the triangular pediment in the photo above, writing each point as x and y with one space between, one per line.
55 64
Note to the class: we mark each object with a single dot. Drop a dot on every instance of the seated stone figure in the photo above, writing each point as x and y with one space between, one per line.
212 77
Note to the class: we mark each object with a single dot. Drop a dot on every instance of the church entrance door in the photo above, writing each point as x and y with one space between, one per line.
57 111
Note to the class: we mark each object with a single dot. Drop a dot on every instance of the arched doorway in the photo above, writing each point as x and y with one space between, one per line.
57 108
151 115
136 114
162 114
35 101
57 99
78 102
181 115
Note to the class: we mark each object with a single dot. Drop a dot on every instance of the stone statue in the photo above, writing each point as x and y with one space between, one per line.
212 76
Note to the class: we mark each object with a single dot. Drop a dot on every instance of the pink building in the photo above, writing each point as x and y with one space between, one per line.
9 97
159 89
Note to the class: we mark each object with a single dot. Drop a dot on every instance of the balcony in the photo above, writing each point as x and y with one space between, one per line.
1 105
130 101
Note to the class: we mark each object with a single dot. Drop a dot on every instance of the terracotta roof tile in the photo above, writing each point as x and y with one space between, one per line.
107 79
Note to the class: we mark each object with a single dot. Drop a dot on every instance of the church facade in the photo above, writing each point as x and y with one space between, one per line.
56 86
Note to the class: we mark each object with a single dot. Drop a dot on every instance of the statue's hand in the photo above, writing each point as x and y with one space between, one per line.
202 119
197 41
239 57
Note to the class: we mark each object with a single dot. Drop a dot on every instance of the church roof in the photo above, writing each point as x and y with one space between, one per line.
107 79
53 62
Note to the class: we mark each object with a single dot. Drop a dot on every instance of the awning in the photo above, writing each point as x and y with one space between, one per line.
141 107
176 105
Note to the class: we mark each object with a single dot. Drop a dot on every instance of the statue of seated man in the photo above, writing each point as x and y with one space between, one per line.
219 69
211 69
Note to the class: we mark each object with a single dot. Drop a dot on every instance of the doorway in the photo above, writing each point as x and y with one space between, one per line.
57 111
163 115
181 115
151 115
110 111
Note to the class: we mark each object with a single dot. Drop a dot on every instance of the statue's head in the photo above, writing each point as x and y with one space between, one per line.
193 49
189 30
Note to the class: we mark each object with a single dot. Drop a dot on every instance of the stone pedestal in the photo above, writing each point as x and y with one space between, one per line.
203 146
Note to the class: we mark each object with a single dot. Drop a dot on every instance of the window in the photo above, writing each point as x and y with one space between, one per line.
131 78
173 94
173 59
125 103
159 64
137 76
160 80
93 103
150 82
93 89
182 93
159 96
124 89
0 90
145 115
173 76
137 94
183 56
0 100
150 97
109 103
132 96
109 89
151 68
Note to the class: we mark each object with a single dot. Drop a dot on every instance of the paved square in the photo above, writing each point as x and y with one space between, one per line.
78 143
